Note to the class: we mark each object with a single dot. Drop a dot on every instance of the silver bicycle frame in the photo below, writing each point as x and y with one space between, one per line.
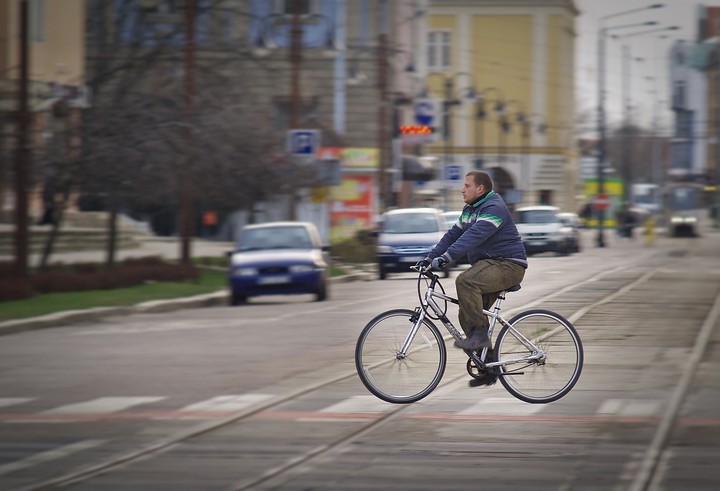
493 316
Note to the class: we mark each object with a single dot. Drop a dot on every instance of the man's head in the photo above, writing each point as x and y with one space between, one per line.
476 184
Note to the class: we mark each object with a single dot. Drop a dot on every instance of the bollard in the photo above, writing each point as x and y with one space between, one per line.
649 231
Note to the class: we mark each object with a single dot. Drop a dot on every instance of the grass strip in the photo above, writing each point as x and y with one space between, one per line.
210 281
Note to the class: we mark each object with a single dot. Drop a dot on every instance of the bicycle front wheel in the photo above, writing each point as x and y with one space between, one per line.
546 368
389 374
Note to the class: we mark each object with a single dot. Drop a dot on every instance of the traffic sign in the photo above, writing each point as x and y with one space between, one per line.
425 110
601 201
303 143
453 172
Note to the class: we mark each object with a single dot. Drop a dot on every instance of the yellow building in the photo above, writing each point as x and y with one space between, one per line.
56 70
505 72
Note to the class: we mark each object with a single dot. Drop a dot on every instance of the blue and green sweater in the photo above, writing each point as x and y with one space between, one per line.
485 230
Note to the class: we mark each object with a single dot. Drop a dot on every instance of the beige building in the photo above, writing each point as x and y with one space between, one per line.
504 70
56 71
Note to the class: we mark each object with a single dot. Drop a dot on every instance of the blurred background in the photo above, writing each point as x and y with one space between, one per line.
193 118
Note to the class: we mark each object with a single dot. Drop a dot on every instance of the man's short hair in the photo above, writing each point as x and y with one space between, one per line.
480 177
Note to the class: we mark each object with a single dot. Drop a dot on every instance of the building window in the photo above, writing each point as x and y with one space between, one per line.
438 50
37 20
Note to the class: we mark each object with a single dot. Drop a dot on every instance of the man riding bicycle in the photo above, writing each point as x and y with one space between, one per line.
486 234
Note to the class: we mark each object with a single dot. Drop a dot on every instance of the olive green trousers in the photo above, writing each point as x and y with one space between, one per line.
478 287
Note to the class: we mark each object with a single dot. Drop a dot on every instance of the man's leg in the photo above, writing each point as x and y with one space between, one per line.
476 286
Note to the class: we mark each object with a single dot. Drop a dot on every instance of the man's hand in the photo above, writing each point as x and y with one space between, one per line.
423 264
441 262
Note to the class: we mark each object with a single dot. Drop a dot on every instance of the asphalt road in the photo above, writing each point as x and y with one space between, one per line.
264 396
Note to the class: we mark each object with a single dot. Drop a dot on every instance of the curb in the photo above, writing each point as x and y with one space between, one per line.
59 319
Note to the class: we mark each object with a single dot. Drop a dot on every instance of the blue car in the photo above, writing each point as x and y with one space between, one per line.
279 258
406 236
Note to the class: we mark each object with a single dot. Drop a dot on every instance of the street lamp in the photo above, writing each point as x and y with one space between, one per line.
448 102
481 114
627 59
601 105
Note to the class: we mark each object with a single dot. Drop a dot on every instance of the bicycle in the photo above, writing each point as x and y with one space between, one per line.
538 355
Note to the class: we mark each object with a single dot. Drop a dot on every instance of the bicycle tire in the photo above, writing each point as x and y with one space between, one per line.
400 380
540 382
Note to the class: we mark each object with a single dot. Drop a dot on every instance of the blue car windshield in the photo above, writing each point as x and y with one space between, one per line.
275 238
410 223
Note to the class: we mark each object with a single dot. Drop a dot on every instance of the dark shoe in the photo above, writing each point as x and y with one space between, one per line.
487 379
478 339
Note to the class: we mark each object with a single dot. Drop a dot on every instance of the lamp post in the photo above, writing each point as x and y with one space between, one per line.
448 102
481 114
627 60
601 106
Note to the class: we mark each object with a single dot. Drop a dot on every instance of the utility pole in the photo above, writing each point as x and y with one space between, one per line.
23 162
186 183
295 60
382 134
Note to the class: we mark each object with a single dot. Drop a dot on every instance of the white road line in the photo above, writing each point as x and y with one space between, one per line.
630 407
102 405
502 406
54 454
228 403
359 404
13 401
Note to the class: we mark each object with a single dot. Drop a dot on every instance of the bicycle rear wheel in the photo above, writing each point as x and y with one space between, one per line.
391 376
550 377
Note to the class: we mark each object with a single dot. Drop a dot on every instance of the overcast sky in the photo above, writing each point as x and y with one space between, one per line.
649 47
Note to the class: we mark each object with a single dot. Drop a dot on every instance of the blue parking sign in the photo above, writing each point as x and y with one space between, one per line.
303 143
453 172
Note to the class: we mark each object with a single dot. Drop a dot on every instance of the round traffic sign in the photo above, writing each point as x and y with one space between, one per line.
424 112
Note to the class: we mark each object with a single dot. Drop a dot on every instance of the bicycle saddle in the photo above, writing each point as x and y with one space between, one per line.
513 288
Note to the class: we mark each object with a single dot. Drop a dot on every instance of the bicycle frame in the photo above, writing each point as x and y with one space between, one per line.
493 316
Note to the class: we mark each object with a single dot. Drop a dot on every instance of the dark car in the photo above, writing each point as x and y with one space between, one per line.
279 258
406 236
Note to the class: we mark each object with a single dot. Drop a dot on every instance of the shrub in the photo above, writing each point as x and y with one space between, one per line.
359 249
86 276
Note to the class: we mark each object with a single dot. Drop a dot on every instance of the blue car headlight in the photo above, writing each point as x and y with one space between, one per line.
301 268
245 272
383 249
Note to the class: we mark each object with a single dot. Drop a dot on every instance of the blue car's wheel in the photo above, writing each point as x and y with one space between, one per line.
321 294
237 299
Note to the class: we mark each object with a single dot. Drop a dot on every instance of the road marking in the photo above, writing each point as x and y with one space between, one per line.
359 404
54 454
228 403
502 406
12 401
630 407
103 405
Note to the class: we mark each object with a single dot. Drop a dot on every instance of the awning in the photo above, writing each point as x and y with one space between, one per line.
414 169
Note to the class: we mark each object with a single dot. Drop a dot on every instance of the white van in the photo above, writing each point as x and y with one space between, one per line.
542 230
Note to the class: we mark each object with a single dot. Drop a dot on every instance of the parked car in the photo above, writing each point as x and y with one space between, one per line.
279 258
406 235
542 230
573 221
451 218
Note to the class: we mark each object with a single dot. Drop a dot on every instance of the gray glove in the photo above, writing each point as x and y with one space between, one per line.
423 264
441 262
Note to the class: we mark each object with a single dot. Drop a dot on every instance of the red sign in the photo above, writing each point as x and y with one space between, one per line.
601 201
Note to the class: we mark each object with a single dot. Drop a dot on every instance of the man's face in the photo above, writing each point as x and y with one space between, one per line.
471 191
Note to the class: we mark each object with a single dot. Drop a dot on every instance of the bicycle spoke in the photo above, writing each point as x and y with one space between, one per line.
553 375
390 375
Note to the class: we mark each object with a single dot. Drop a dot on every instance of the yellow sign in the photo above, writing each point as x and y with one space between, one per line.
359 158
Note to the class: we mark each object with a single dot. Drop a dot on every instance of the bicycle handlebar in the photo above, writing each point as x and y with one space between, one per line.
427 272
